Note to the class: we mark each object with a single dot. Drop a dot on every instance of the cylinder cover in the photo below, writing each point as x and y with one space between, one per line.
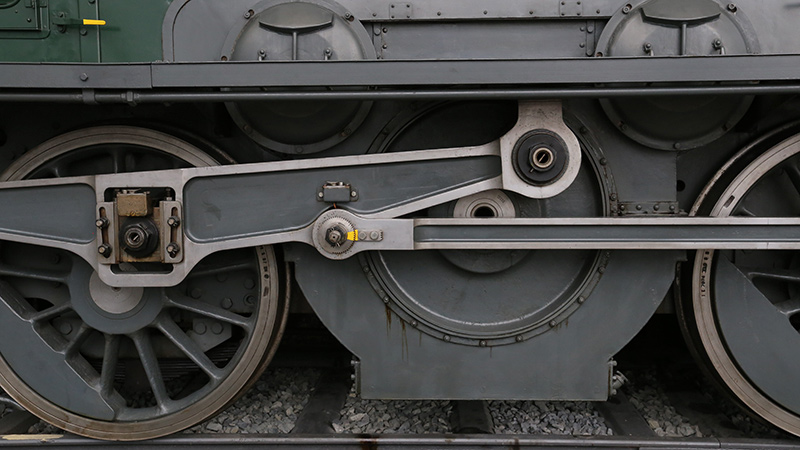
310 30
658 28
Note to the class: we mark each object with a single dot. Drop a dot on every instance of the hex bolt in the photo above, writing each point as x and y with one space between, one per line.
227 303
249 14
446 338
656 207
216 328
581 299
173 249
101 223
320 195
374 235
732 7
84 76
200 328
638 207
353 194
196 293
249 283
174 221
552 323
335 236
414 323
519 338
717 44
482 343
65 328
104 250
627 8
249 300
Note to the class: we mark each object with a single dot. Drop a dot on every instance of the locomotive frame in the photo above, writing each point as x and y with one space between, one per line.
485 261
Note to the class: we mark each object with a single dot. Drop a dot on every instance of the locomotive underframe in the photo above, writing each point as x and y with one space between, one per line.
568 357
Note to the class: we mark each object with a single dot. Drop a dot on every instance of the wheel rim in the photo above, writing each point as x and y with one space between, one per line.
197 345
745 302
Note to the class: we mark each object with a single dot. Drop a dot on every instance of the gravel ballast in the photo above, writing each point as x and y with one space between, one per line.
270 406
541 417
393 416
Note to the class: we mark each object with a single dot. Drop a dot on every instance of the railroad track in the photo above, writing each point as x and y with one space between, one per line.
470 424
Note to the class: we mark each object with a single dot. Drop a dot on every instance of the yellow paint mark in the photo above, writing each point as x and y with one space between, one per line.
352 235
31 437
93 22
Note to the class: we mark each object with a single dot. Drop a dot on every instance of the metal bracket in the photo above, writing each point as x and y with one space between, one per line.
570 8
401 11
336 192
637 208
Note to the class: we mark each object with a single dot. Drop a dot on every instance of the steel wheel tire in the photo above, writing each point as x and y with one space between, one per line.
717 325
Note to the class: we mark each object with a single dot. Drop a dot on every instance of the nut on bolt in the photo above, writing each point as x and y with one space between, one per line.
174 221
173 249
101 223
104 250
335 236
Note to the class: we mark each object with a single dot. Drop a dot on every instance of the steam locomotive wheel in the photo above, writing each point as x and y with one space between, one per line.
746 304
444 293
130 363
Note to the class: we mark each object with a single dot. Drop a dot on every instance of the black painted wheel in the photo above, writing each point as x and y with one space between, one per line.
130 363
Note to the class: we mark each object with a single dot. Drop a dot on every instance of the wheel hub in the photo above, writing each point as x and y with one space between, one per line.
111 299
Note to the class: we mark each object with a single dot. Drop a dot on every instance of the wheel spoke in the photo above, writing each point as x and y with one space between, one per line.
34 274
791 276
74 346
110 358
147 355
50 312
214 312
200 272
794 175
789 307
188 346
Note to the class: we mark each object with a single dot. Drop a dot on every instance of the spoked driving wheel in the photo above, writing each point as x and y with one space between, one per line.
130 363
745 306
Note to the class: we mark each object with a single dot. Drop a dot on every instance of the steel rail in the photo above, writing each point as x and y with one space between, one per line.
389 442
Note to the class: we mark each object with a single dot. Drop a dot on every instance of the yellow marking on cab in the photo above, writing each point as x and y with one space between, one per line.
31 437
93 22
352 235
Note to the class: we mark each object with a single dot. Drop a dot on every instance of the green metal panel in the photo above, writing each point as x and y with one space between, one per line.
19 15
133 29
132 32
